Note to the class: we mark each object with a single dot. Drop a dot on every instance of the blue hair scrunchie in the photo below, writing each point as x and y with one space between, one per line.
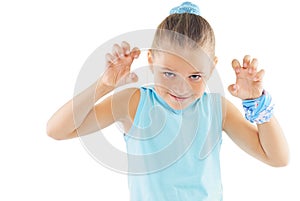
259 110
186 7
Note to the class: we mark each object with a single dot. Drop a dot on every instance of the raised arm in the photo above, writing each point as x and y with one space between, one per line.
79 113
265 141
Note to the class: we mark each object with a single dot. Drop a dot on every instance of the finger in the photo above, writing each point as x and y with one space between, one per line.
109 58
253 66
246 61
233 89
126 47
132 77
127 79
117 50
236 66
135 52
259 76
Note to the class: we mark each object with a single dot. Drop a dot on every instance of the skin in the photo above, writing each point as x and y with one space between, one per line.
179 83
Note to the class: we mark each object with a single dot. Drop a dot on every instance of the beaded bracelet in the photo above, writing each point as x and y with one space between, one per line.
259 110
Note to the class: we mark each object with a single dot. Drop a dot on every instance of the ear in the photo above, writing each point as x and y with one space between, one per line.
150 60
215 61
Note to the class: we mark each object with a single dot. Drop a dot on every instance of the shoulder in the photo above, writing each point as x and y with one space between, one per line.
126 101
232 116
124 104
228 109
127 94
120 105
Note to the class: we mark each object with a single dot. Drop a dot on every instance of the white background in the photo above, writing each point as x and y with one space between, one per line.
43 46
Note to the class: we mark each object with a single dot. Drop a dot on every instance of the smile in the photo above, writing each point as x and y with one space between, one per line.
177 98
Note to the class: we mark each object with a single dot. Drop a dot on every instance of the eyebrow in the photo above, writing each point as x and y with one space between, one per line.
193 73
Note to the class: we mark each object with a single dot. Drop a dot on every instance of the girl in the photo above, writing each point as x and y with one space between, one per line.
173 128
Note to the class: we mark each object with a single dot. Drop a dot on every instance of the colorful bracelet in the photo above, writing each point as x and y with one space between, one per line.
259 110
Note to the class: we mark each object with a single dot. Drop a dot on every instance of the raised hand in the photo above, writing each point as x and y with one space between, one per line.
118 64
248 83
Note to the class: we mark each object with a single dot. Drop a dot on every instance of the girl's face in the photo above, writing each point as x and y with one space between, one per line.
180 81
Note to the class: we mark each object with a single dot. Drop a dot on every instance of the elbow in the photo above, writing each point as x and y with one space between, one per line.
55 137
52 133
282 162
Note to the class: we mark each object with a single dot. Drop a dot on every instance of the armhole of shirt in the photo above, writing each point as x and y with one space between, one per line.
213 139
136 119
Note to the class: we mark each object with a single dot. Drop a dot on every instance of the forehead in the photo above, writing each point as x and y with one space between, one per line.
184 61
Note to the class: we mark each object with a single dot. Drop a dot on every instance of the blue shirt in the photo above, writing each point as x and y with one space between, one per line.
173 155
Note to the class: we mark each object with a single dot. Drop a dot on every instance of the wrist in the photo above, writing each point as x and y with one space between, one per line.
259 110
263 92
102 89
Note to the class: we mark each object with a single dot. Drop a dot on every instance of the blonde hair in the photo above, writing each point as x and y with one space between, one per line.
185 30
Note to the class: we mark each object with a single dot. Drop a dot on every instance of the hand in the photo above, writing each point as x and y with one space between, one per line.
248 81
118 65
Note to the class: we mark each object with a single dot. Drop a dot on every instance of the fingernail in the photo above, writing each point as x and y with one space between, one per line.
127 52
132 75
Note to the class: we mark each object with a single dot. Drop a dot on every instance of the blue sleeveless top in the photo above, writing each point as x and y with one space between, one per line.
173 155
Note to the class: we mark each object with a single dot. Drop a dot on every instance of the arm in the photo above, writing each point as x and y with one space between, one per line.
65 121
78 114
266 141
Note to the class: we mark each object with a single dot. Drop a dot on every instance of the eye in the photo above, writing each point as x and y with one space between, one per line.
195 77
169 74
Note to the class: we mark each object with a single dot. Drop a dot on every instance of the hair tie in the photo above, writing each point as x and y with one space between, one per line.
186 7
259 110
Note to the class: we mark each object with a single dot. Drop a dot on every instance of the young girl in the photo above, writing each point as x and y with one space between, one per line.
173 127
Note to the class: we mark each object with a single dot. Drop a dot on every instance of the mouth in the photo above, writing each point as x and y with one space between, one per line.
179 98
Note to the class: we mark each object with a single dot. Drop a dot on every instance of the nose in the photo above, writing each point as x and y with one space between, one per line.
181 88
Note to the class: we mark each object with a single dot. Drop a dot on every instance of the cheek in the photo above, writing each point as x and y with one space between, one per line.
162 81
160 85
198 88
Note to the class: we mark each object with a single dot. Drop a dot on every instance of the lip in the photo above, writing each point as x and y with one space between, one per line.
179 98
